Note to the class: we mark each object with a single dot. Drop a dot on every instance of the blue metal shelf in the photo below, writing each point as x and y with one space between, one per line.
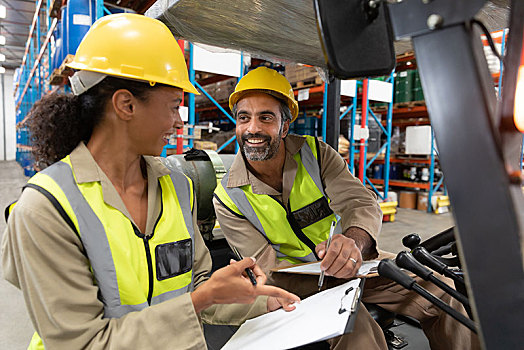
33 76
363 147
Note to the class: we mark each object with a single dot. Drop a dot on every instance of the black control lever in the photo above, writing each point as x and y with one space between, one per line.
411 241
422 255
406 261
388 269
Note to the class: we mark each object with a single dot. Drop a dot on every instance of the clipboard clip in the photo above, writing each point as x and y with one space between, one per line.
353 303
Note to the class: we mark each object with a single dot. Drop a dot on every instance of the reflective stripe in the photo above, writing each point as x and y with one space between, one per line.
92 234
168 295
121 310
185 195
183 192
311 164
239 198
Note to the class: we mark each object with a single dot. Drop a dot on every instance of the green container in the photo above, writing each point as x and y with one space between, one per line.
404 88
418 94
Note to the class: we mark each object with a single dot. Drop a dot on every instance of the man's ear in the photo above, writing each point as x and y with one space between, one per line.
285 128
124 104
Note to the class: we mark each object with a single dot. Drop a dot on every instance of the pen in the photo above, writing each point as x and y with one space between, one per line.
331 230
248 271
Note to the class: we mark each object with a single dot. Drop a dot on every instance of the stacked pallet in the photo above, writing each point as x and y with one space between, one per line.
301 76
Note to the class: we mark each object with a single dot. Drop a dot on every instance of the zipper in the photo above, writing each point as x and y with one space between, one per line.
149 269
147 248
149 261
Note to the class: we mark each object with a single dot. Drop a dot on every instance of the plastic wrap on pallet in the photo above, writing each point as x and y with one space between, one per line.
269 29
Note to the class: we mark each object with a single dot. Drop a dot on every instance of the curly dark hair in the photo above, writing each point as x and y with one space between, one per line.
58 122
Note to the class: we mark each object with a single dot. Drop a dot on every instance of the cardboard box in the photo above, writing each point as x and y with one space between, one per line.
418 140
422 201
439 202
407 199
295 73
205 145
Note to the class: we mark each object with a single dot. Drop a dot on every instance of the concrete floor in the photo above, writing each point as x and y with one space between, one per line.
16 329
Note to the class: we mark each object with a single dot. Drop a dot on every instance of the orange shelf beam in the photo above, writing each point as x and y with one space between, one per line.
401 183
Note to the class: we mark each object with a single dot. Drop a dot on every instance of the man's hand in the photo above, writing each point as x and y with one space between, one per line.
342 259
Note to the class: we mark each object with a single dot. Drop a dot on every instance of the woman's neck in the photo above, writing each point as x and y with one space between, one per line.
122 166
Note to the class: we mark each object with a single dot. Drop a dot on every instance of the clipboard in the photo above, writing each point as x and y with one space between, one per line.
315 319
367 270
355 307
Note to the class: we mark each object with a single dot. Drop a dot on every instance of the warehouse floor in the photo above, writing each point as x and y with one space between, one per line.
16 329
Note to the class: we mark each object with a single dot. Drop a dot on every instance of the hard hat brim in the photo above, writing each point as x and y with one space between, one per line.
238 95
186 86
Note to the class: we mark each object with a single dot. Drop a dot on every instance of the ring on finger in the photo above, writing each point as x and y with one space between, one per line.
354 261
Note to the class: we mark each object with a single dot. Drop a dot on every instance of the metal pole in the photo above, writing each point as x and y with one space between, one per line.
501 66
192 79
431 172
389 126
522 154
351 132
3 116
363 123
324 113
180 132
99 10
333 112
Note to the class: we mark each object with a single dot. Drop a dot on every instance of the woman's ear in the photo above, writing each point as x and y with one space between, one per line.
123 103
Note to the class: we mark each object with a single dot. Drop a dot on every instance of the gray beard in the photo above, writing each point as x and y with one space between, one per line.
257 154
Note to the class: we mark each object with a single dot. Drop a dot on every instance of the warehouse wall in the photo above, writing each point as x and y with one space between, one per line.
8 119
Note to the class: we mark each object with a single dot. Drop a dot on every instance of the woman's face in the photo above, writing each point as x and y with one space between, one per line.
157 118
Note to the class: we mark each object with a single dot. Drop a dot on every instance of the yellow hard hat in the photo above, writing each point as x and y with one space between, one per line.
135 47
269 81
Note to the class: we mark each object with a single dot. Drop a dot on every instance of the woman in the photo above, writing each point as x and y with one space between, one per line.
103 242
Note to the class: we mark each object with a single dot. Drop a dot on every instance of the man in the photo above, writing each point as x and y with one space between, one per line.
281 194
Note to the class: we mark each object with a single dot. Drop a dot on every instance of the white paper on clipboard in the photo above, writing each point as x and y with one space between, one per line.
315 319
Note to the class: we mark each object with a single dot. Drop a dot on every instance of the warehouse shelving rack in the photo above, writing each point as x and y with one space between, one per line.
364 164
416 110
192 115
34 72
32 80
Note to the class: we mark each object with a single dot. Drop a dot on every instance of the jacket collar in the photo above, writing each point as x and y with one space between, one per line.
87 170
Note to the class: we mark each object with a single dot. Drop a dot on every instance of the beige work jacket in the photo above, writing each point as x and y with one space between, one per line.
43 257
356 205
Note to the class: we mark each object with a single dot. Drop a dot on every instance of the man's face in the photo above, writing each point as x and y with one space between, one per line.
259 127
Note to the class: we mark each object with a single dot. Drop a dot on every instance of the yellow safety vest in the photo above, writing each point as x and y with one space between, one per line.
132 271
293 230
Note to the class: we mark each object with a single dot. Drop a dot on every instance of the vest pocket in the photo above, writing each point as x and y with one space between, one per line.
312 213
173 259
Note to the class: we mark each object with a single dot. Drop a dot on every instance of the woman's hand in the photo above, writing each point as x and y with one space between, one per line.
230 285
277 303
